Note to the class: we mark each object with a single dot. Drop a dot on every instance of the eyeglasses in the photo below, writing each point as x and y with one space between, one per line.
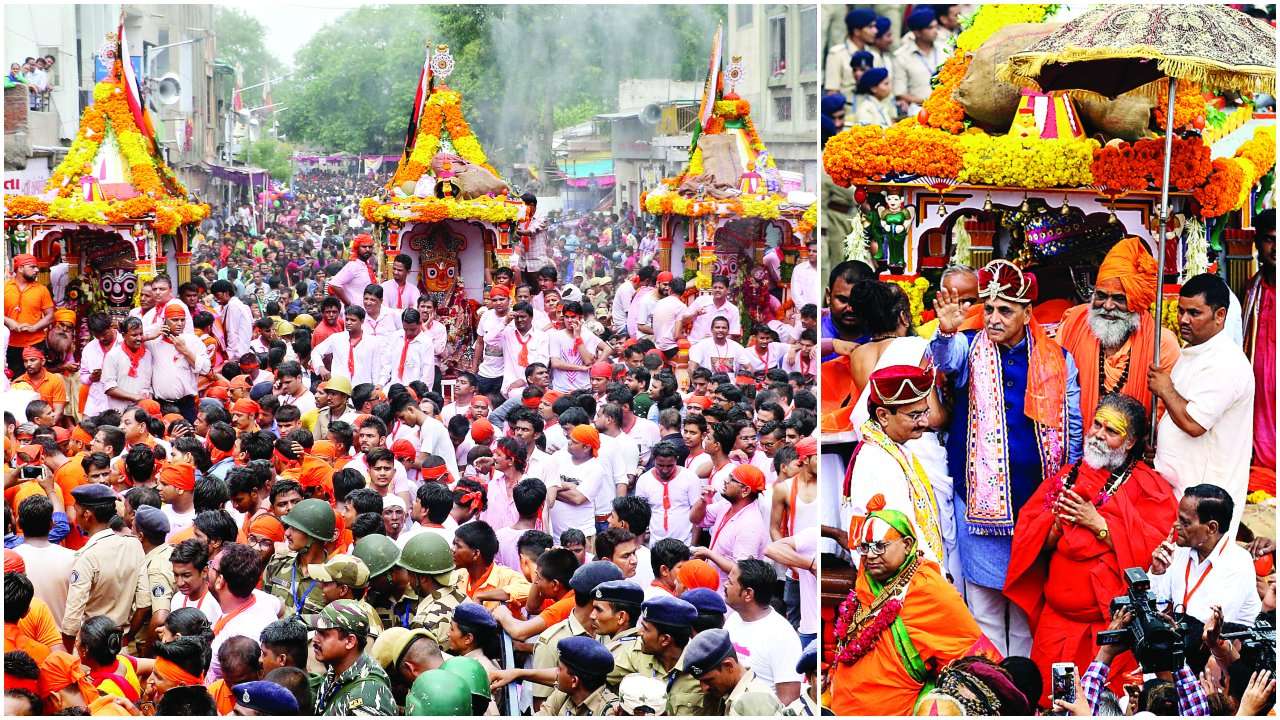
917 416
878 547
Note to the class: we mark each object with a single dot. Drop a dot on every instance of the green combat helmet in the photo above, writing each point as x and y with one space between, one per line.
313 517
475 677
426 554
438 692
378 552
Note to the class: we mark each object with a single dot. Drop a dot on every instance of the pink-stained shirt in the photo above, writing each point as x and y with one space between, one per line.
741 536
397 297
702 323
501 511
351 281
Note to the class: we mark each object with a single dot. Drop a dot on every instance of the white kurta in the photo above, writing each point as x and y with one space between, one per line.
369 363
177 376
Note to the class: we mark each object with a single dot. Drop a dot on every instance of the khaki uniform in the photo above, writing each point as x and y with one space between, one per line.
435 613
598 703
104 578
684 694
839 74
801 707
155 580
286 577
621 641
545 652
750 697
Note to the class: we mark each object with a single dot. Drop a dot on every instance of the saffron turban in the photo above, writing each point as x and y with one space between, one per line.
151 407
174 310
1131 264
268 526
698 574
750 476
64 315
20 261
31 352
806 447
246 406
587 435
482 431
325 448
61 670
180 475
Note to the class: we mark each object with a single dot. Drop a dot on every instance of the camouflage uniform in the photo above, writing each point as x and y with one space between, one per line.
600 702
363 688
284 576
435 613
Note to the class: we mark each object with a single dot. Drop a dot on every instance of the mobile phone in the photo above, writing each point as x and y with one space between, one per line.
1063 677
31 472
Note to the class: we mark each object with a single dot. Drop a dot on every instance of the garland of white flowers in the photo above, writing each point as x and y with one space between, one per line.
1197 249
855 243
963 244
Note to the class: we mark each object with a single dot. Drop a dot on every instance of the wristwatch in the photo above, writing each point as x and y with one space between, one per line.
1103 534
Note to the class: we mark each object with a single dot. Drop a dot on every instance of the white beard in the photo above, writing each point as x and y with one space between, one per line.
1100 457
1112 332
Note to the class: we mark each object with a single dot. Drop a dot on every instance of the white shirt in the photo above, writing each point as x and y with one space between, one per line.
1229 582
249 622
153 319
646 434
385 326
433 437
620 457
806 542
556 437
644 567
683 490
586 478
1217 380
49 570
419 358
416 528
237 323
702 323
804 285
115 373
368 363
668 313
399 481
91 358
59 275
207 604
177 521
641 309
510 339
726 358
399 297
177 378
621 303
351 281
561 346
438 334
804 362
876 473
306 402
769 646
489 325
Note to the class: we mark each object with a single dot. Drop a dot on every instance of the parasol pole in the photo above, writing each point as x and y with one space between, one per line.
1160 248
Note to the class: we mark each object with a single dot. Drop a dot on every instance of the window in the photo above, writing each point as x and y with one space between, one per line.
744 13
808 38
782 105
777 45
810 101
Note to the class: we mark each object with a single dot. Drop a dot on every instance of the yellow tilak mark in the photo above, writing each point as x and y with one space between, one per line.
1113 419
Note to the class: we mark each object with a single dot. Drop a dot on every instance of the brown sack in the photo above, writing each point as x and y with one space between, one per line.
472 180
720 158
990 103
1127 117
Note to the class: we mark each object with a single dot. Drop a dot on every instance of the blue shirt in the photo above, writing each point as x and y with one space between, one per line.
986 557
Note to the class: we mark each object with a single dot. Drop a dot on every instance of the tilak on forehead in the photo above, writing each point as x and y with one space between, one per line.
1113 419
877 529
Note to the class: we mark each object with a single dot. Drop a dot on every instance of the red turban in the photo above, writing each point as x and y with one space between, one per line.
1006 281
403 449
499 291
78 434
316 473
665 277
362 240
602 369
806 447
900 385
701 401
13 562
587 435
20 261
180 475
32 352
151 407
482 431
532 402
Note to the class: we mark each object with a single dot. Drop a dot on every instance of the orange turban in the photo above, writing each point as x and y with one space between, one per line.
246 406
587 435
13 562
698 574
180 475
174 310
169 670
61 670
268 526
110 706
701 401
806 447
64 315
78 434
150 407
327 449
482 431
1130 263
314 473
20 261
750 476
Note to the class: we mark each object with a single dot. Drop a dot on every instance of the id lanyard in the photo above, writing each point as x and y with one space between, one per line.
297 604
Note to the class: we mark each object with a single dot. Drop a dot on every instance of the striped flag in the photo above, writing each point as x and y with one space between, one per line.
710 88
237 102
131 89
419 96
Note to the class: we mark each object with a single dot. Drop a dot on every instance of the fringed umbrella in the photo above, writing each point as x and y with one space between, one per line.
1114 50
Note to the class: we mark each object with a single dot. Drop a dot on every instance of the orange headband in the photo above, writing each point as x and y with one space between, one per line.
171 672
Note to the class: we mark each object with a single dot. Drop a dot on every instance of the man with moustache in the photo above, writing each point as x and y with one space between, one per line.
349 284
353 683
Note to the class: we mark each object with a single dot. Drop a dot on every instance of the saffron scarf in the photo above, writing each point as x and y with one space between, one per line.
922 498
989 507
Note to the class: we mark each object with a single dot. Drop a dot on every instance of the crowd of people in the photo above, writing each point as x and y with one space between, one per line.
1012 535
269 490
37 74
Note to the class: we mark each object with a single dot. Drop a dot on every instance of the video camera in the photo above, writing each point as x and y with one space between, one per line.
1156 642
1257 643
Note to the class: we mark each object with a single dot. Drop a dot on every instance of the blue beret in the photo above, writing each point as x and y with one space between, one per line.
705 601
474 615
859 18
586 578
870 79
619 591
670 611
259 391
94 494
882 25
808 661
862 59
920 18
152 521
585 656
266 697
705 651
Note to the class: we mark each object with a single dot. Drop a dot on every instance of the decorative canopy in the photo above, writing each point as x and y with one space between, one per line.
441 128
112 173
1116 49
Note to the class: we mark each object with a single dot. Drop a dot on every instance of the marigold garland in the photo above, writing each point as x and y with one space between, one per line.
1260 151
808 221
442 113
1128 167
431 209
915 290
1188 105
1222 193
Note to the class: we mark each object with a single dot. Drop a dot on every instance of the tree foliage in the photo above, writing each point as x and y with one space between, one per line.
524 70
242 41
271 155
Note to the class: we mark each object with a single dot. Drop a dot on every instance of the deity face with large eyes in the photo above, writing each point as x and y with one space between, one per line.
118 286
439 271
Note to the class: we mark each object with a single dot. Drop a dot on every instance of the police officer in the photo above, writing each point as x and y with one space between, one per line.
429 560
473 629
388 591
807 665
353 684
438 693
731 689
308 526
155 584
583 583
664 633
262 697
104 574
580 680
615 608
711 608
345 577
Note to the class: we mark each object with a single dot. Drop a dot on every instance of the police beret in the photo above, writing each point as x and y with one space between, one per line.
152 521
859 18
671 611
474 615
94 494
808 662
920 18
705 651
585 656
619 591
882 25
266 697
259 391
705 601
586 578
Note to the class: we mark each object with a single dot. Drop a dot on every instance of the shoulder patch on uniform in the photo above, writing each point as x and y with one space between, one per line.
354 702
75 576
158 591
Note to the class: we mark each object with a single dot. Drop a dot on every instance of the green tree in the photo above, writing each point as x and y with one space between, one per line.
242 40
271 155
